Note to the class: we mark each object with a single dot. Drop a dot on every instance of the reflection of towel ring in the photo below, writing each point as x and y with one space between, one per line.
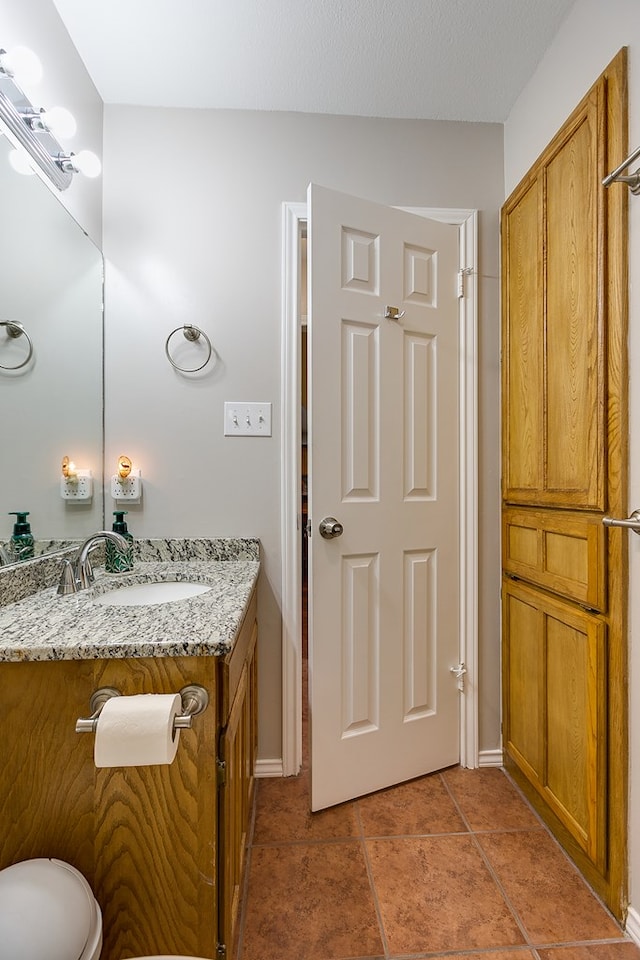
15 330
191 333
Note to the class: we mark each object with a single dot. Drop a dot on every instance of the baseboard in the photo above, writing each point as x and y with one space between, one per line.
490 758
269 768
632 925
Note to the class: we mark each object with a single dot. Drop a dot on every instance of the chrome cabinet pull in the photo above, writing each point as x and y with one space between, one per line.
632 522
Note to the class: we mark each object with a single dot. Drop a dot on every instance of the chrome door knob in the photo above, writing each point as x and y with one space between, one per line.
330 528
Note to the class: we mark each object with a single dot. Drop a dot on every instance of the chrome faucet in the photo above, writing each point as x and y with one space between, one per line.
78 575
5 556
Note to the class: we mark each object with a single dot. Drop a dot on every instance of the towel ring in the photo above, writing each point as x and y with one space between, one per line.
15 330
191 333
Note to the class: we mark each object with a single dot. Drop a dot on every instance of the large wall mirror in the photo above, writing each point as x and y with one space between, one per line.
51 281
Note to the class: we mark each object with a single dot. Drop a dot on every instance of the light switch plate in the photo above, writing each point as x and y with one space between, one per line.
244 419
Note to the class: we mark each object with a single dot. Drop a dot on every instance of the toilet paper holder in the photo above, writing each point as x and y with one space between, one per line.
194 698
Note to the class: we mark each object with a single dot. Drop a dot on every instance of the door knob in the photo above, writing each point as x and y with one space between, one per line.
330 528
632 522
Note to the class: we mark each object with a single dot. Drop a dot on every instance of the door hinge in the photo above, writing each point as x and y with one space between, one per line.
221 772
307 528
221 951
459 671
465 272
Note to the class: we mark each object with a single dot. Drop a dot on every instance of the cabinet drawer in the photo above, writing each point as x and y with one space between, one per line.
562 552
231 666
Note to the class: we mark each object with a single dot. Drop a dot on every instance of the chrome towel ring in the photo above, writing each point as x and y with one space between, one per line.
14 330
191 333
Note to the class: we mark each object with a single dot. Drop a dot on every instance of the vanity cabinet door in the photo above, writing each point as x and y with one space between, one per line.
155 827
236 765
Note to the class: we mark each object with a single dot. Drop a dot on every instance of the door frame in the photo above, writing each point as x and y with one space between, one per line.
293 215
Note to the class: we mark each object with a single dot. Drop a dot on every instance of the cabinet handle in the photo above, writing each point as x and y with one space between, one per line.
632 522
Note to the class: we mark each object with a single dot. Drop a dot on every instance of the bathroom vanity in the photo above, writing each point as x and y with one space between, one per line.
162 846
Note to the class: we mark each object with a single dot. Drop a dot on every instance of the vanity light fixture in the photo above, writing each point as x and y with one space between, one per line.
126 484
75 484
37 130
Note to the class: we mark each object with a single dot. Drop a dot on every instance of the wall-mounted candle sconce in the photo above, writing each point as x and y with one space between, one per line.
36 130
126 484
75 484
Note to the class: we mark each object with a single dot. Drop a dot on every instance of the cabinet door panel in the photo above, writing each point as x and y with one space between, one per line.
562 552
574 357
553 340
523 347
555 708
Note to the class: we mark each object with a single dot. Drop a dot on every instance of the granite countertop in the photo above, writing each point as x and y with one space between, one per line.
44 626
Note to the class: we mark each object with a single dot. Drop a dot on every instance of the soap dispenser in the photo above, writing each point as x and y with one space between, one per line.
21 538
116 562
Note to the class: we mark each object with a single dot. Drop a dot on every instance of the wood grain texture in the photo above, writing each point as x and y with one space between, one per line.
557 718
156 827
46 802
562 551
551 532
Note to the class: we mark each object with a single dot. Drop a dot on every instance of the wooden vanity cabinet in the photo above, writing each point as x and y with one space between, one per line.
162 846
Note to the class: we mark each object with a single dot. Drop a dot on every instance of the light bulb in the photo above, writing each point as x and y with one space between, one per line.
60 122
23 64
86 162
20 162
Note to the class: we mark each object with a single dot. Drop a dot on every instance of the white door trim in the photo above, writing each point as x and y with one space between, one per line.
291 534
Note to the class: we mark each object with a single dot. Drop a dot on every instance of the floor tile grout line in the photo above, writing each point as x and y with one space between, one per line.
492 873
502 890
564 853
372 886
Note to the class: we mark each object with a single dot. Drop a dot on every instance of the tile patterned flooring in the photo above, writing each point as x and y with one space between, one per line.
452 863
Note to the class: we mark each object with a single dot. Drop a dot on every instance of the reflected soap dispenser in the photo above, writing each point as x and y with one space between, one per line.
21 538
116 562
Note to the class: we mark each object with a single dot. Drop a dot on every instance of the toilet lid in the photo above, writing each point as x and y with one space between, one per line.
46 910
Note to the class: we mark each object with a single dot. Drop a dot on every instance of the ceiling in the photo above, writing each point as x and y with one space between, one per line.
418 59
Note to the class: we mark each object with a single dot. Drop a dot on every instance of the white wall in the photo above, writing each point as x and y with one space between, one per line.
192 233
589 38
66 83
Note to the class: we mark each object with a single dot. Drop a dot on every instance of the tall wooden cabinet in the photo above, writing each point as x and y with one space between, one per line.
564 275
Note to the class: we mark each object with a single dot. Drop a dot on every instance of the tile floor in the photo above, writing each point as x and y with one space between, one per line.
452 863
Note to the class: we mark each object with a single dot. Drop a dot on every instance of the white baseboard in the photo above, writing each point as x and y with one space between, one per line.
269 768
490 758
632 925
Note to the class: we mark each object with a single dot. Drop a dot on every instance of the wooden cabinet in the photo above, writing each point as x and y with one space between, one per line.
564 434
151 841
555 666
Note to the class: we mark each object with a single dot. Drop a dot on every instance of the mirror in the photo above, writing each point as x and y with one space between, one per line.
51 282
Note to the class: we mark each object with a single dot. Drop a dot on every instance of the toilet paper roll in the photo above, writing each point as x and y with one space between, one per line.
137 731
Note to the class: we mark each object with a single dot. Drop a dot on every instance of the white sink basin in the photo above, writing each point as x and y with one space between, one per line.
144 594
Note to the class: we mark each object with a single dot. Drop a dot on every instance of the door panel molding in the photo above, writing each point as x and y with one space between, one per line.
293 216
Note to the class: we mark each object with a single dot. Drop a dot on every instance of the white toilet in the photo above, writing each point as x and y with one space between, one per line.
47 910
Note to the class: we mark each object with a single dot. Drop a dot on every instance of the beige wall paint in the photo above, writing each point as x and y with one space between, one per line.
589 38
65 83
192 233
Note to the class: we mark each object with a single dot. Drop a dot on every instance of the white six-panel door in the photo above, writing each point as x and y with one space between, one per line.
384 621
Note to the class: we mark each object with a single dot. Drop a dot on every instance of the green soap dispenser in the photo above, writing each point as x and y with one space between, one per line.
21 538
116 562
